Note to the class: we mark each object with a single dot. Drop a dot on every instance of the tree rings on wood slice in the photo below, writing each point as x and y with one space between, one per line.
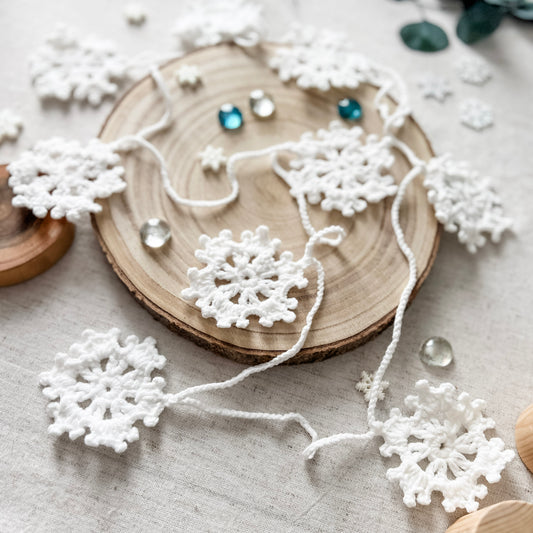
524 437
365 275
511 516
28 245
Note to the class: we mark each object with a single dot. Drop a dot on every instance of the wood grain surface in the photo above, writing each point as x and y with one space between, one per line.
524 437
512 516
28 245
364 276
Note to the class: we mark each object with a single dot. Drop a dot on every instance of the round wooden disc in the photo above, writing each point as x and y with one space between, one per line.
28 245
524 437
364 276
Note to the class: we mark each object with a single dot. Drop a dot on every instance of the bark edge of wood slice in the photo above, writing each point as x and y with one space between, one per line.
511 516
524 437
28 245
365 275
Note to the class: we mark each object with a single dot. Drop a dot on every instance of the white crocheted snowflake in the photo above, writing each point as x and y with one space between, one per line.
476 114
338 170
212 158
66 67
465 202
135 13
210 22
102 386
434 86
365 386
10 125
442 447
65 178
473 70
188 75
243 279
320 59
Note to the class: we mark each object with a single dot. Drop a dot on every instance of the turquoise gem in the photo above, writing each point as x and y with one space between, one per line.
350 109
230 117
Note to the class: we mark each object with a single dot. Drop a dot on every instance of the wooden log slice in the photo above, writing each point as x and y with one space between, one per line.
524 437
28 245
364 276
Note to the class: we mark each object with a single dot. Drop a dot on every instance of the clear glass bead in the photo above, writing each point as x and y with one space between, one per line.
230 117
155 233
262 104
436 351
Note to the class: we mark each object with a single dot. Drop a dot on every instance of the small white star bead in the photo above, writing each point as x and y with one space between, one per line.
10 125
188 75
473 70
212 158
135 14
434 86
365 386
476 114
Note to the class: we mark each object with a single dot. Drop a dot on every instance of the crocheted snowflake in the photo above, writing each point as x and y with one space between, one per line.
188 75
434 86
442 447
473 70
365 386
338 170
320 59
66 67
212 158
209 22
243 279
465 202
65 178
135 13
10 125
101 387
476 114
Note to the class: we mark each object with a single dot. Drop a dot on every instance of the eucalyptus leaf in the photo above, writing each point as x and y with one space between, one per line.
424 37
523 13
479 21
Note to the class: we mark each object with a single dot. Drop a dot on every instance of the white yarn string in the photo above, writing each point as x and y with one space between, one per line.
310 451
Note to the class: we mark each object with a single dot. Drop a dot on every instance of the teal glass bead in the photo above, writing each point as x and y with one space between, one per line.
349 109
230 117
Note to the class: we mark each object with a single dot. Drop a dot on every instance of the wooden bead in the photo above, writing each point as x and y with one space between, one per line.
28 245
524 437
365 275
512 516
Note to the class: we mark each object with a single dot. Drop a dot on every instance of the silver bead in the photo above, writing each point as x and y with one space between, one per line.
262 104
155 233
436 351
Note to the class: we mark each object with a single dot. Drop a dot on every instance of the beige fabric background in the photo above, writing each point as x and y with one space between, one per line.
198 473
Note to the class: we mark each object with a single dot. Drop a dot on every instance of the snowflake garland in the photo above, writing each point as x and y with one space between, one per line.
10 125
341 172
465 202
66 67
210 22
212 158
434 86
188 75
243 279
473 70
65 178
101 387
476 114
365 386
446 431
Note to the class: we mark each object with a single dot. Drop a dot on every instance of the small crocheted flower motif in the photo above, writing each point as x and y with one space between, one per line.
188 75
101 387
434 86
135 13
212 158
245 278
365 386
210 22
320 59
465 202
442 447
473 70
338 170
65 178
66 67
10 125
476 114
